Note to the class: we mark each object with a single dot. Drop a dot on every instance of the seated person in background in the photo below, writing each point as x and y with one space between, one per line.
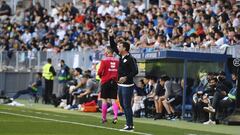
32 88
159 97
227 102
172 97
222 90
139 95
83 90
201 99
67 98
149 101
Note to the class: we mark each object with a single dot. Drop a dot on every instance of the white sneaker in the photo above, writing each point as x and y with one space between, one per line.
62 105
14 103
127 129
210 122
67 107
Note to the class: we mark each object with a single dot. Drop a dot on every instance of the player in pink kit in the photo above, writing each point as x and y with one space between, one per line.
108 72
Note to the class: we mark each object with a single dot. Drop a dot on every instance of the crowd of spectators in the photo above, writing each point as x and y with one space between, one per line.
175 24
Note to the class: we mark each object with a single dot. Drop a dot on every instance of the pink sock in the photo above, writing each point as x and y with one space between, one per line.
104 111
115 110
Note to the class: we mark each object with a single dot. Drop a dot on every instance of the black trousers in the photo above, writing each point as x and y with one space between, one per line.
198 114
148 103
47 96
215 103
26 91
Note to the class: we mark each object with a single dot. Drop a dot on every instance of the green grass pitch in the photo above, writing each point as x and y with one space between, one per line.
38 119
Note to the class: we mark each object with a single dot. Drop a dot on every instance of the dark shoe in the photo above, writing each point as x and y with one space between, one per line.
156 116
168 117
115 120
104 121
36 99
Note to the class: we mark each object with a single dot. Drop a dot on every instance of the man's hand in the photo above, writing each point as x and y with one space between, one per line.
122 80
224 93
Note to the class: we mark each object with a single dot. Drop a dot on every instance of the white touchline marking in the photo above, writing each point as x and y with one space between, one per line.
70 122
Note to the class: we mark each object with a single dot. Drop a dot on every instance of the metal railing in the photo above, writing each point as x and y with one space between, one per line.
33 61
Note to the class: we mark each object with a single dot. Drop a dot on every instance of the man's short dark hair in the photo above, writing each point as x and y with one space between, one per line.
210 73
62 61
86 76
222 73
79 70
49 60
154 78
141 81
147 77
40 74
214 79
126 45
164 77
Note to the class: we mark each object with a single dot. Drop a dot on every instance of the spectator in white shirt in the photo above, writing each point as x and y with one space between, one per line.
109 8
100 8
140 6
236 21
120 15
117 7
27 36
